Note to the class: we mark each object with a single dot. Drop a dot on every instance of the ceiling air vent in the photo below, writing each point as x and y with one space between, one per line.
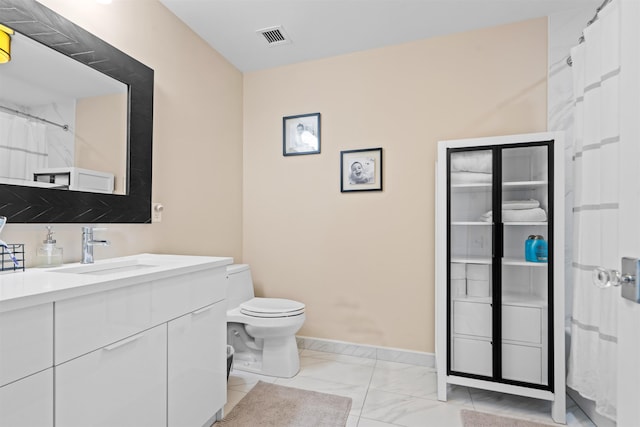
274 36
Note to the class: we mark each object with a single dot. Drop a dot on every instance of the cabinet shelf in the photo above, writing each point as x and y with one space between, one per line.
532 223
516 224
507 299
523 263
518 185
471 259
523 300
476 186
511 185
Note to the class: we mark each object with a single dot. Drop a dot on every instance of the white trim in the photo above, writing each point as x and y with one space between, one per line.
501 387
388 354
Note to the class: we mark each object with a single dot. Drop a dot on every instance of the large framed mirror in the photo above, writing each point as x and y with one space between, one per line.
76 124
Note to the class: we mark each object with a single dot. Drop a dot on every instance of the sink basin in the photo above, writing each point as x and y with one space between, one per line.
105 268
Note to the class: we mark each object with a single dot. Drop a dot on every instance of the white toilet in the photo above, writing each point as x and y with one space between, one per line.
261 330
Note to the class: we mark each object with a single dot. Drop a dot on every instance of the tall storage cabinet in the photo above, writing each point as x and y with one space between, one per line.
500 311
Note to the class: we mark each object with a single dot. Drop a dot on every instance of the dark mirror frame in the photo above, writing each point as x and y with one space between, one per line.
39 205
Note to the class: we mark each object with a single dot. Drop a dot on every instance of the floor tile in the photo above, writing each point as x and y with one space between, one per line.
343 358
456 395
336 371
404 379
366 422
392 394
407 411
511 405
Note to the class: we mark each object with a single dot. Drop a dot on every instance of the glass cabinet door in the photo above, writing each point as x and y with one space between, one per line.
524 263
470 230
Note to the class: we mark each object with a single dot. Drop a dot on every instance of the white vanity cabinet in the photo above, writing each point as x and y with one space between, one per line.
143 346
150 354
26 361
499 315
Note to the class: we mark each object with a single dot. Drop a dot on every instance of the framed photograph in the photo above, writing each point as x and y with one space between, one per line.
301 134
361 170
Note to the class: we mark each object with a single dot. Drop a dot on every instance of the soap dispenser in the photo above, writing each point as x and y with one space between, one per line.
49 255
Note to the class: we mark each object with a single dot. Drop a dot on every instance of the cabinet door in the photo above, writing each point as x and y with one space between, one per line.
527 209
197 370
470 199
90 322
26 342
123 384
28 402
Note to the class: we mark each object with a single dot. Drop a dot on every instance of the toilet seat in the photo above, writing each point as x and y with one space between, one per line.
271 307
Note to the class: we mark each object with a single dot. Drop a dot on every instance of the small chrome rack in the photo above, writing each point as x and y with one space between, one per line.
7 263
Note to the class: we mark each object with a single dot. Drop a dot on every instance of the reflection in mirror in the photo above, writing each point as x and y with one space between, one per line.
63 125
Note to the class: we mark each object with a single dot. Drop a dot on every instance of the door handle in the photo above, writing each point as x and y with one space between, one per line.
628 279
123 342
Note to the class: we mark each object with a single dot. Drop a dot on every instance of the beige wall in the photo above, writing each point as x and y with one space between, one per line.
101 136
364 262
197 152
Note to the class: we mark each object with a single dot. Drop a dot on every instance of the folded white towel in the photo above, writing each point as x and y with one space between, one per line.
478 271
518 215
520 204
472 161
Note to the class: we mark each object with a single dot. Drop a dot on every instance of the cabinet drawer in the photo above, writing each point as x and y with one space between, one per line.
521 324
472 318
522 363
26 342
122 385
90 322
472 356
28 402
176 296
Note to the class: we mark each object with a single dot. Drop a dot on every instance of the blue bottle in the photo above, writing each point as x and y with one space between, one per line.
529 254
536 249
541 248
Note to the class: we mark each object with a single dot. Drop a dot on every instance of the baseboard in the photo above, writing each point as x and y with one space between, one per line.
368 351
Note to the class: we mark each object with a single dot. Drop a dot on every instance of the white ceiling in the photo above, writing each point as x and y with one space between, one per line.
324 28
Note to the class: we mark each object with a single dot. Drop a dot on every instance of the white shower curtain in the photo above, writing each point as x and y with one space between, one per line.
596 72
23 147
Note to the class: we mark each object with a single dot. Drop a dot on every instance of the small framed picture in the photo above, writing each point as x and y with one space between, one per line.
301 134
361 170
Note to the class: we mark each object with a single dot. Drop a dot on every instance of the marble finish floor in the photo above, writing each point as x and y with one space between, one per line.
390 394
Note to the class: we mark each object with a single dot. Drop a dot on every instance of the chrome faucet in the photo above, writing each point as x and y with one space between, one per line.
88 243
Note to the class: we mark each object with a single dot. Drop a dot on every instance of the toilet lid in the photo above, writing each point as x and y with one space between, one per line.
271 307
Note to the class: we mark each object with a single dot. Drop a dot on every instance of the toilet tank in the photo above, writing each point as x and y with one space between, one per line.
239 285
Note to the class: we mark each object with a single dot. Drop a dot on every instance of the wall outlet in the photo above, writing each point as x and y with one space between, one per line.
156 212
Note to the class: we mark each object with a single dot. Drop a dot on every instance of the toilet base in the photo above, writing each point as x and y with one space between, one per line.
278 358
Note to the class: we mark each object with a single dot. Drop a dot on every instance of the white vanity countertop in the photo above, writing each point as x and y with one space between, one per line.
39 285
